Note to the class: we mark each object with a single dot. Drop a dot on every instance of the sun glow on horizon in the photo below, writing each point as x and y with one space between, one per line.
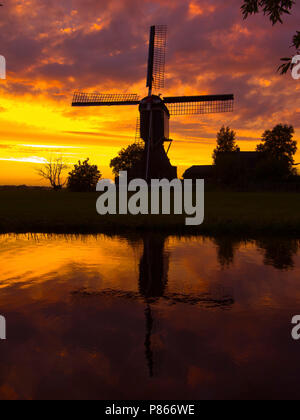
71 47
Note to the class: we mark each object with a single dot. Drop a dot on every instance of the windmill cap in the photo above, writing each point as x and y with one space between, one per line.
153 99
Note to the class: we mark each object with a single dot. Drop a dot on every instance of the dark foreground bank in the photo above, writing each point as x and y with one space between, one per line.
247 213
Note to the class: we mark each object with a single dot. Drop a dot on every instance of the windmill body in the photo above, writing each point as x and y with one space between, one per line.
154 131
160 120
155 111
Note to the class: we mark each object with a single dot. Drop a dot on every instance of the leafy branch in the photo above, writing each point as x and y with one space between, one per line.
275 10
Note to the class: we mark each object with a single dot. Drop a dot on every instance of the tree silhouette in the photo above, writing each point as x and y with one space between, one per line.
127 158
84 177
226 247
275 10
225 142
52 171
278 143
279 253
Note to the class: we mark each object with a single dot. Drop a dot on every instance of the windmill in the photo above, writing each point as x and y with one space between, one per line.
155 111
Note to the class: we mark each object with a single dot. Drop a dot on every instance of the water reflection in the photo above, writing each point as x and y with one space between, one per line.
153 281
150 317
153 267
226 248
152 285
278 252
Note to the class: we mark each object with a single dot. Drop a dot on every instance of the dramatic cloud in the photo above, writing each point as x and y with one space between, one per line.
53 48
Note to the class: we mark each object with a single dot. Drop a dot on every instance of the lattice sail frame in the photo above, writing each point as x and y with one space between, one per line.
200 105
157 57
160 45
138 139
99 99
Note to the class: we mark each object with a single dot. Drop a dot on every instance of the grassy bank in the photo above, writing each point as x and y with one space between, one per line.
225 212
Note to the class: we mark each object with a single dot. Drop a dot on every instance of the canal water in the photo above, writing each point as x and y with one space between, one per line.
152 317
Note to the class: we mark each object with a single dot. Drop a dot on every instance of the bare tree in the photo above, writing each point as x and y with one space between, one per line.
53 172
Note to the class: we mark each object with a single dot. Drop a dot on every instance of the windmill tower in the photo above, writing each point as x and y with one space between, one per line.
155 111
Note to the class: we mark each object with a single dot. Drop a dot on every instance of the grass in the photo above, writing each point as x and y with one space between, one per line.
249 213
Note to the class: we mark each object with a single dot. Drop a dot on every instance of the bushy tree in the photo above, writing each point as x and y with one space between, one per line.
225 142
127 158
278 144
279 149
84 177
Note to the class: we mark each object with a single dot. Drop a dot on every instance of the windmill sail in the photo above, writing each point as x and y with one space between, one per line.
192 105
99 99
138 138
156 60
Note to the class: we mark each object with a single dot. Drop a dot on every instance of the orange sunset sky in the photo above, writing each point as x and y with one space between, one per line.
54 48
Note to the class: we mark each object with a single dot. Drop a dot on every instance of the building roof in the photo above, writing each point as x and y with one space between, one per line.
196 170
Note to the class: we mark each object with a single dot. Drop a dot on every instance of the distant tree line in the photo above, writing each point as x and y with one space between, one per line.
82 178
273 162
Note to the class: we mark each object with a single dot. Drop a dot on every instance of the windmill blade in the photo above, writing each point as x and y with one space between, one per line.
138 138
191 105
99 99
157 57
206 300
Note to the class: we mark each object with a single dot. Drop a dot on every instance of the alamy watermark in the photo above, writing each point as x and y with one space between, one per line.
2 67
2 328
296 68
296 329
154 198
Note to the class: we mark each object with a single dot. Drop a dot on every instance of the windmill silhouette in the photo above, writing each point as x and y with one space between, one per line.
155 111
